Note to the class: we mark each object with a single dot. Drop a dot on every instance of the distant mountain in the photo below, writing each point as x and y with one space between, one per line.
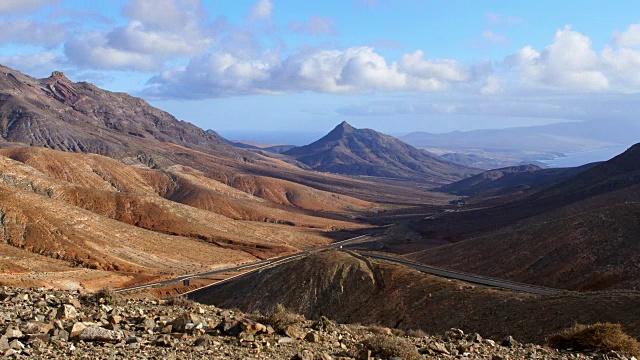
347 150
488 161
561 137
278 149
512 179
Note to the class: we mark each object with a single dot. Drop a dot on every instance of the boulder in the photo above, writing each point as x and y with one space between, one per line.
66 311
252 327
294 332
4 343
36 327
312 337
94 333
163 340
76 330
230 327
179 324
303 355
509 341
13 333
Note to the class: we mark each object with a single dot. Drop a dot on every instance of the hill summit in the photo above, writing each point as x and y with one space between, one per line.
351 151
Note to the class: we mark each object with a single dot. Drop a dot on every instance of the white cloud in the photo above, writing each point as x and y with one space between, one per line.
492 37
25 31
39 64
491 86
159 30
568 63
353 70
167 15
23 6
261 10
494 18
316 25
628 38
431 75
136 37
93 51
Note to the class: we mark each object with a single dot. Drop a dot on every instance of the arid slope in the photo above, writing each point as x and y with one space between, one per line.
351 289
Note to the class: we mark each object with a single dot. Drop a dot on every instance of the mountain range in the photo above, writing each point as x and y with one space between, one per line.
101 189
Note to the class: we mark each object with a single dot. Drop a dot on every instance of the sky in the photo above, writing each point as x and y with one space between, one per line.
248 68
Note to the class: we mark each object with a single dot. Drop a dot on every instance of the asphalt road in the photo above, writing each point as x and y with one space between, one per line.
258 264
469 278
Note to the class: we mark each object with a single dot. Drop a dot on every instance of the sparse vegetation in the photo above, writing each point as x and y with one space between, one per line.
280 318
417 333
180 301
324 324
602 337
105 296
387 347
380 330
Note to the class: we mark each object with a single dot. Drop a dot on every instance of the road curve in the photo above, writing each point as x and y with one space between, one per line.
470 278
260 264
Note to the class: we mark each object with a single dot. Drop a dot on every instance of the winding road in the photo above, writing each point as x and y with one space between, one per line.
260 265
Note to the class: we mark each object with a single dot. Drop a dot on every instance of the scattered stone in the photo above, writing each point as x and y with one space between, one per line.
66 312
61 334
509 341
114 319
76 330
438 348
230 327
303 355
4 343
12 333
294 332
312 337
252 327
476 338
16 345
163 340
30 327
245 336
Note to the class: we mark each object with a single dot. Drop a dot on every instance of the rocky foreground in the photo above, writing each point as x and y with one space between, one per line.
46 324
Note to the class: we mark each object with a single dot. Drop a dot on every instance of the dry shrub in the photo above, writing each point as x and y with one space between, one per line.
180 301
600 337
387 347
324 324
104 296
280 318
417 333
379 330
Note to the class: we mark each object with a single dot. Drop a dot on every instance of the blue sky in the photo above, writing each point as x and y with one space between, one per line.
297 66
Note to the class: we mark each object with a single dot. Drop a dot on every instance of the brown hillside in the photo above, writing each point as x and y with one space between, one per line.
179 184
350 289
589 245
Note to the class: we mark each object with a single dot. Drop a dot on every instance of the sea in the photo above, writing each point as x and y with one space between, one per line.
585 157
